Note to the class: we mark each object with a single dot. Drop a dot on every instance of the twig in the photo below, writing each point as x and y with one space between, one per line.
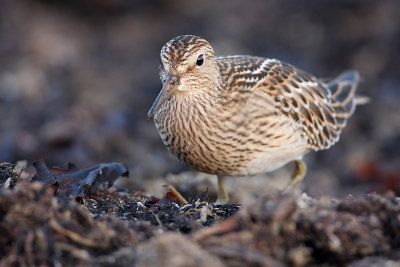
76 237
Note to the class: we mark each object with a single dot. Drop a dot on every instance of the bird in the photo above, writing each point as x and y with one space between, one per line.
245 115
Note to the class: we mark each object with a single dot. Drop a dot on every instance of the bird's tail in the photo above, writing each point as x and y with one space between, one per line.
343 89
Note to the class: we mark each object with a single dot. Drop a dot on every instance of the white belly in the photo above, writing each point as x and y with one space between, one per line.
272 160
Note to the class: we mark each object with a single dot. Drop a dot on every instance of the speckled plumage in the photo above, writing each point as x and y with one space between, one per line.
244 115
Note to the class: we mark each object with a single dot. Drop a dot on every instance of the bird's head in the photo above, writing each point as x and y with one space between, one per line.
187 65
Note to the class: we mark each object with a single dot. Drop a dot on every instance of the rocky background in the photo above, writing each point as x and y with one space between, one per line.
78 77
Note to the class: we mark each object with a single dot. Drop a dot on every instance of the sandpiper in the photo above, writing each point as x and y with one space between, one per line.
245 115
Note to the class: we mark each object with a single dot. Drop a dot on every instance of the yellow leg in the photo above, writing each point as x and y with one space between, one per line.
298 175
223 197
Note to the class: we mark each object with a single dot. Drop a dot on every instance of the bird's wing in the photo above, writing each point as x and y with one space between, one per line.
309 102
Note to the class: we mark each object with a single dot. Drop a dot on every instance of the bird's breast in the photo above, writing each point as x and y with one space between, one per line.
217 141
198 137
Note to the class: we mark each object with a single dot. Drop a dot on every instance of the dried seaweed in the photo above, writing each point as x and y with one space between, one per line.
78 182
309 231
41 226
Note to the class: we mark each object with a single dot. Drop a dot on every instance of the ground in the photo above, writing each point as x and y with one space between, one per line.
45 222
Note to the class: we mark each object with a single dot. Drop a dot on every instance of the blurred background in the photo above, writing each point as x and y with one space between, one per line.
78 77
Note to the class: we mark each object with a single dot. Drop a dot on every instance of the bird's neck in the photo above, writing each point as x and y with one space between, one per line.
191 105
206 97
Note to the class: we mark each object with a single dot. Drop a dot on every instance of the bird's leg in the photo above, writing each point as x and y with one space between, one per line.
298 175
223 197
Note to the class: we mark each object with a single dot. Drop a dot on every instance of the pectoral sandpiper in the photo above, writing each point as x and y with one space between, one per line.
245 115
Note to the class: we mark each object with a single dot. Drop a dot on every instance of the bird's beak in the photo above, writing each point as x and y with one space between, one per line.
169 88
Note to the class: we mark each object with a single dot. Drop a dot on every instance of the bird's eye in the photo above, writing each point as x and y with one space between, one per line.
200 60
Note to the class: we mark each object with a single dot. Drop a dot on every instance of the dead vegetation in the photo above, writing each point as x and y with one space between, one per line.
41 224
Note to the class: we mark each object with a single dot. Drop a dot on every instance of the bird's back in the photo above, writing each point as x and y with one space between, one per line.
319 109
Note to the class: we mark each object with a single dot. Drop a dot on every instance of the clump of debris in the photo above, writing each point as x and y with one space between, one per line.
72 217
